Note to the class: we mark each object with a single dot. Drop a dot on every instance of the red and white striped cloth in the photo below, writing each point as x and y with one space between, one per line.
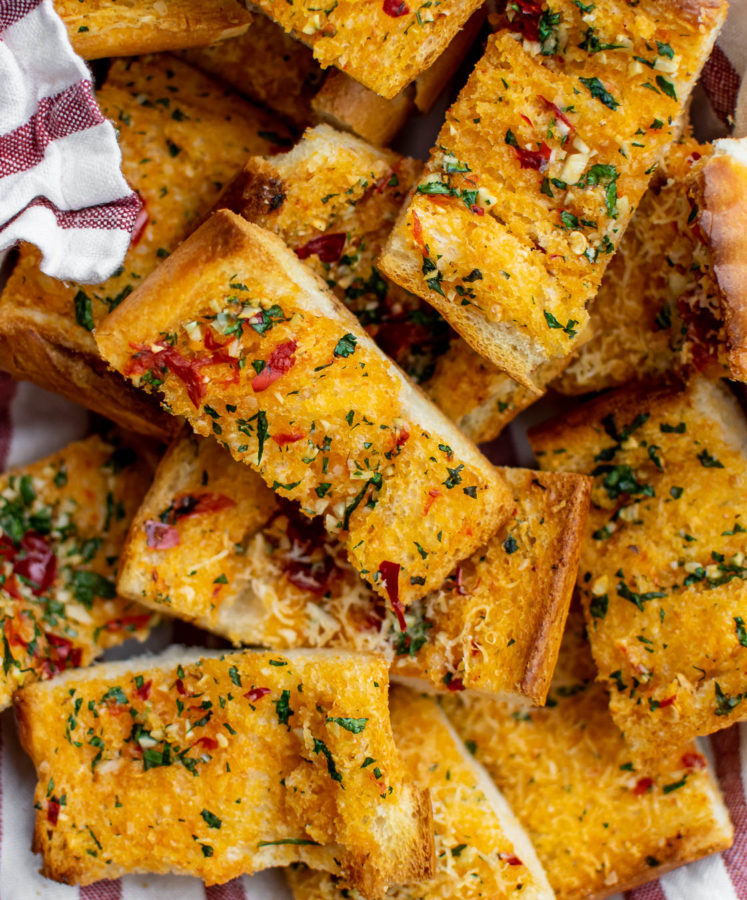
61 186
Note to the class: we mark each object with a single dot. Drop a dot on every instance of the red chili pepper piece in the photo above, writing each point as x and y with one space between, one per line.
558 112
527 20
160 536
207 742
53 811
642 786
141 220
328 247
534 159
308 566
282 360
179 684
170 359
417 232
282 439
62 653
455 684
187 505
511 860
134 622
693 760
37 562
389 572
256 694
668 701
143 691
396 8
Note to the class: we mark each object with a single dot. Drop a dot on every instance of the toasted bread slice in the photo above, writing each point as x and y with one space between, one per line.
182 138
341 196
218 765
306 398
384 45
212 544
100 28
63 521
539 166
299 89
600 824
674 292
481 849
664 537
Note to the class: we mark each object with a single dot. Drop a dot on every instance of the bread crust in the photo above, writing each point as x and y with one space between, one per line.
28 354
723 219
98 29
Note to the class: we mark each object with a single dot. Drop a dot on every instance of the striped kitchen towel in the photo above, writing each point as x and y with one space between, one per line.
61 187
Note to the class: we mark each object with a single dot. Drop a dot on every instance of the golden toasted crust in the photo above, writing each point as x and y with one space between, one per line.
266 65
481 850
182 137
663 536
64 521
537 170
384 51
100 28
346 103
724 222
325 379
659 269
212 544
28 355
266 768
600 823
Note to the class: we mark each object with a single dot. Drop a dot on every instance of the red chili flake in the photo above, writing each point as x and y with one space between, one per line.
527 19
389 572
160 536
478 210
395 8
256 694
403 437
328 247
143 692
433 495
207 742
460 589
141 220
169 358
417 232
455 684
53 811
557 112
7 548
527 120
308 565
282 439
281 360
667 701
61 654
693 760
37 562
134 622
534 159
11 587
642 786
188 505
511 860
179 684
